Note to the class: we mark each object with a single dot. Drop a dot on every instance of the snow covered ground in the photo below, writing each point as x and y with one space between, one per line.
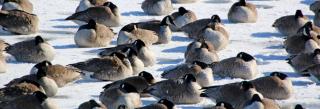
258 39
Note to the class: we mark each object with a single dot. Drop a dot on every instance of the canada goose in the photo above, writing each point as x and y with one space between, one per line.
110 68
280 85
303 61
144 52
243 12
193 29
257 102
161 104
242 66
157 7
216 34
197 44
161 28
289 25
126 95
304 43
24 23
130 33
91 104
93 35
37 100
107 14
62 75
315 7
24 87
140 82
184 1
203 54
136 62
32 51
234 93
309 26
49 85
172 90
24 5
182 17
200 70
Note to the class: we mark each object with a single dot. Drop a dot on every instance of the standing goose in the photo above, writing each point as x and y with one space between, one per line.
161 104
62 75
126 95
242 66
193 29
32 51
136 63
37 100
172 90
181 18
203 54
161 28
107 14
184 1
234 93
216 34
243 12
200 70
23 5
157 7
93 35
140 82
24 23
314 70
276 86
304 43
130 33
257 102
24 87
110 68
91 104
303 61
289 25
143 52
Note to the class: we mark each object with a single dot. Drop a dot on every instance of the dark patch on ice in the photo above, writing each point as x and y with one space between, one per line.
60 97
134 13
59 20
307 2
65 46
56 32
179 49
169 61
271 57
181 39
147 102
65 26
310 16
217 1
264 6
275 47
166 68
301 83
266 35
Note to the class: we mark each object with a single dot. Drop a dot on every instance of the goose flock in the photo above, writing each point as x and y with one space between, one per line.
112 63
